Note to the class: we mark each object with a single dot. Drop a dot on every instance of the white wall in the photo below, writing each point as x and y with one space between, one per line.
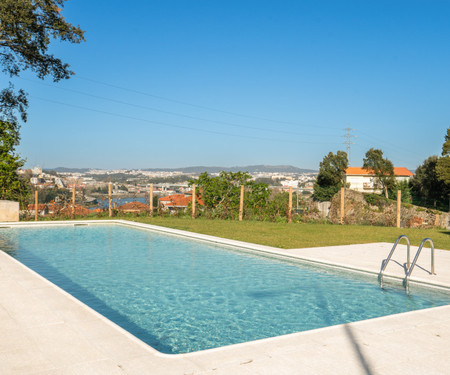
9 210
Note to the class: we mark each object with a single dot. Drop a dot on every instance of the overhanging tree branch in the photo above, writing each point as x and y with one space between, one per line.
27 28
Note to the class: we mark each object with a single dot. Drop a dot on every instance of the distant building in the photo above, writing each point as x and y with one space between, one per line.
133 207
59 182
55 209
360 179
292 183
42 209
79 210
37 171
177 201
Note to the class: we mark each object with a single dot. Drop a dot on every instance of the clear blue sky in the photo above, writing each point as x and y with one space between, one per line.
177 83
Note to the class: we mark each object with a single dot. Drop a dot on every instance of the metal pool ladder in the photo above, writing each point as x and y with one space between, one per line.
409 265
380 276
410 269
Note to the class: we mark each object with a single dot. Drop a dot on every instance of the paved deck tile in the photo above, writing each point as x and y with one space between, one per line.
44 330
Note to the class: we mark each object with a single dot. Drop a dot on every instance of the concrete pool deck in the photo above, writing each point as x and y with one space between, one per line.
44 330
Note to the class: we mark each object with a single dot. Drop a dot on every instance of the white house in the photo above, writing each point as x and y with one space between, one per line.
360 179
293 183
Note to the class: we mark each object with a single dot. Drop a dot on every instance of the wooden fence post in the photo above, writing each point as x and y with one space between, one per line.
73 199
151 199
109 199
342 204
193 201
437 221
290 205
241 204
399 206
36 202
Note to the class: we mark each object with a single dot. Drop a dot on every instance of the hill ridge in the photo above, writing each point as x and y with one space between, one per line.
200 169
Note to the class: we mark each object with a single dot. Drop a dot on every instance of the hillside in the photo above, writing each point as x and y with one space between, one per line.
248 168
359 209
210 169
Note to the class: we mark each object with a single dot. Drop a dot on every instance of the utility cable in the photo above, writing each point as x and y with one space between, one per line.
200 106
172 113
173 125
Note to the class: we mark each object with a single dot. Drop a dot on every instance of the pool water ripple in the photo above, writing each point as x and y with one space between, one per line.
182 295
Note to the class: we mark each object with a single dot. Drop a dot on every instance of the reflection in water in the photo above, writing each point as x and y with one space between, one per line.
183 295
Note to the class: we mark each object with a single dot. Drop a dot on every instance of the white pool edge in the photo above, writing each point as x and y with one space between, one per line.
233 243
256 248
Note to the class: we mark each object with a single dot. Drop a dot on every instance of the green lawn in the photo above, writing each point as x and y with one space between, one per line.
299 235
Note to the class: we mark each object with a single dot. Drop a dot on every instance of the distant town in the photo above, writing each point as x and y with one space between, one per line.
92 184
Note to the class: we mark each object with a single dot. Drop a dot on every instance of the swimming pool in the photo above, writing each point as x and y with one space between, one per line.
182 295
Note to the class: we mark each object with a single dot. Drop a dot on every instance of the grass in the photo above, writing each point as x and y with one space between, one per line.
288 236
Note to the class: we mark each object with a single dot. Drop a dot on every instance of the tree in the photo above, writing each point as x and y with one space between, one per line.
54 195
405 189
382 168
26 30
267 180
221 194
426 183
331 175
443 164
12 187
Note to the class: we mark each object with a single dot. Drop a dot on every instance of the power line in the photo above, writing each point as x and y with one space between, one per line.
173 125
397 146
348 142
170 112
348 134
200 106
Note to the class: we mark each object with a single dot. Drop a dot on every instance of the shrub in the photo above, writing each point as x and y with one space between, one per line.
376 200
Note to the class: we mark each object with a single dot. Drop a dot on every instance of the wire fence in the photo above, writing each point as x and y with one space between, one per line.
282 206
240 203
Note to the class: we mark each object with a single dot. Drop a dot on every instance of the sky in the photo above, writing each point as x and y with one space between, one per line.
175 83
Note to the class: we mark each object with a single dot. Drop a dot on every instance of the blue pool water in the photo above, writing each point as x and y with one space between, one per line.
183 295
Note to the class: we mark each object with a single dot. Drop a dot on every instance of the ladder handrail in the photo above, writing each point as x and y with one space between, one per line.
380 276
410 269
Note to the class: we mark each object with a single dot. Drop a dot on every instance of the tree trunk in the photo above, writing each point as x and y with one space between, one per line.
386 192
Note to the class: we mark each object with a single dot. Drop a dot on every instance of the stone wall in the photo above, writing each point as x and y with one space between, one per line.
324 209
9 211
358 211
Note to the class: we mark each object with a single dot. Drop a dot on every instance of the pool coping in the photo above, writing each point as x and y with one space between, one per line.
212 360
262 249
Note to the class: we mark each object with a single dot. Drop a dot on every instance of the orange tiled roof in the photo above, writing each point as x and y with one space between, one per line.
41 206
178 200
398 171
171 197
54 207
